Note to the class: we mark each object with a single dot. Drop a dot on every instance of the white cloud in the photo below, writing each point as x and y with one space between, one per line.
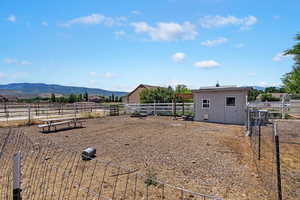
169 31
16 62
19 75
178 57
279 57
2 75
136 12
239 45
96 19
265 84
105 75
119 34
45 23
10 61
220 21
251 74
207 64
213 43
92 73
12 18
123 87
109 75
25 62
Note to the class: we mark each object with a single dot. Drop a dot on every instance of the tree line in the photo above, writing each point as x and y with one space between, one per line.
72 98
164 95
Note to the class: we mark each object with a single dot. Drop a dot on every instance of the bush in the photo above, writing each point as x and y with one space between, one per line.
150 178
295 96
269 97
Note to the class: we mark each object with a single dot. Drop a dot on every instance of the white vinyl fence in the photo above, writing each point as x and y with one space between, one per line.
160 108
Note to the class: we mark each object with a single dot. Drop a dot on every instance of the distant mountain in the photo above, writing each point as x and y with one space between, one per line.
29 89
258 88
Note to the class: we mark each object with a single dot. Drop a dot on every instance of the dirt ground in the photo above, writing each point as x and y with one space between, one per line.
213 159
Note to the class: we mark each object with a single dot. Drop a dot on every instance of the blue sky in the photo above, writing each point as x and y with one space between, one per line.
120 44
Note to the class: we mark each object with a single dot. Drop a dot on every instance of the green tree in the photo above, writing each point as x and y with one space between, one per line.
295 51
72 98
53 98
291 80
86 96
62 100
79 97
268 97
158 95
182 89
253 94
113 98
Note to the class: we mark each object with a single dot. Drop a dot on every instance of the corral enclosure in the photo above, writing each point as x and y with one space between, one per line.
210 159
213 160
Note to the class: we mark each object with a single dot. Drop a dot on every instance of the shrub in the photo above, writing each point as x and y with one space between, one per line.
150 178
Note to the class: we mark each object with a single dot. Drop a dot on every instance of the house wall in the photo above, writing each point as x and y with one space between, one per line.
218 111
135 96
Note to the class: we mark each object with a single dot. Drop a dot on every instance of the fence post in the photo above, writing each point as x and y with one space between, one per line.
174 107
248 121
277 161
282 109
6 111
17 176
182 107
154 108
29 114
75 110
259 140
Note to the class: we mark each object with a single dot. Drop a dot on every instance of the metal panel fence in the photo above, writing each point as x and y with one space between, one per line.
276 150
52 172
276 109
27 112
161 108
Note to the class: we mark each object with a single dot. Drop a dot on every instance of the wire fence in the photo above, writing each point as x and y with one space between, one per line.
49 171
276 150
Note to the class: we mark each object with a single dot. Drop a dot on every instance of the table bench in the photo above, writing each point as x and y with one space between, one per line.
53 123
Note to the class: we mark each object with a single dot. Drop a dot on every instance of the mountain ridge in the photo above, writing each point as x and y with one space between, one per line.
42 88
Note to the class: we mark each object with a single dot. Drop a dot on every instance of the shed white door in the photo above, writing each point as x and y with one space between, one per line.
232 110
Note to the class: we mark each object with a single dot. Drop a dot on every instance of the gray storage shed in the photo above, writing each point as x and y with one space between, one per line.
221 104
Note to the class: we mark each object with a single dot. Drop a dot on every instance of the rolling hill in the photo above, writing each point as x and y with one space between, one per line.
36 89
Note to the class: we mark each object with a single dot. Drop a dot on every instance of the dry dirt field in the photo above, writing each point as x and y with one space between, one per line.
213 159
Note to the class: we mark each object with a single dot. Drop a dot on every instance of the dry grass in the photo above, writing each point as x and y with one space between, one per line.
19 123
92 115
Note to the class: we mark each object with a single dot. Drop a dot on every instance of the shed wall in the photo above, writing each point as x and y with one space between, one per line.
218 111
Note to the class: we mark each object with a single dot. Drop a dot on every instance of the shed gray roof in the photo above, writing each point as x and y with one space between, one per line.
222 88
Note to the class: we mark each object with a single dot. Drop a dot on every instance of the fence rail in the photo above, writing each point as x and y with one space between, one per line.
52 172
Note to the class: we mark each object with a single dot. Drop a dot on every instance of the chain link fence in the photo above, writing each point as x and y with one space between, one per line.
276 150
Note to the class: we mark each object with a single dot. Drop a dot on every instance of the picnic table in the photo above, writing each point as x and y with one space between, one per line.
72 122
